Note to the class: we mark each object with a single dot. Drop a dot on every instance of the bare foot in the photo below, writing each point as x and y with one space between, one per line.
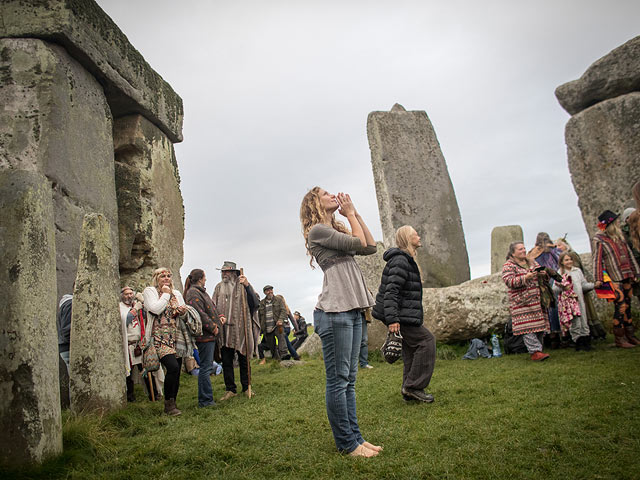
370 446
362 451
263 361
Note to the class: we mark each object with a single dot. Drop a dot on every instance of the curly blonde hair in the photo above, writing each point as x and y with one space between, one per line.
312 213
156 276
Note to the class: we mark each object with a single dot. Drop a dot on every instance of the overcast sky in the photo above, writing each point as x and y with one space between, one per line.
276 97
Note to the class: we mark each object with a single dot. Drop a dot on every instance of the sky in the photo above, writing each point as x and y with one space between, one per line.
276 97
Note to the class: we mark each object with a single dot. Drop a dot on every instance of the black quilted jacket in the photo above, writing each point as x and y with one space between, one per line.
400 296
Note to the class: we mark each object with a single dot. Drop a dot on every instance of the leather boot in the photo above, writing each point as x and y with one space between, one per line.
621 338
586 343
579 343
555 340
170 407
631 338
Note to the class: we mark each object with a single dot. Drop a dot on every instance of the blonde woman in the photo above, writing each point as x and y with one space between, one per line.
399 306
612 255
164 304
338 315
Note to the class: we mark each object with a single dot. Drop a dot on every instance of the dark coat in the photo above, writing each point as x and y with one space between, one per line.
399 299
198 298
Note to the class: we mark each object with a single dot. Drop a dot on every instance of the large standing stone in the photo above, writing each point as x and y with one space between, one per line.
615 74
96 356
372 267
94 40
150 209
54 118
468 310
413 187
603 148
312 346
501 238
29 397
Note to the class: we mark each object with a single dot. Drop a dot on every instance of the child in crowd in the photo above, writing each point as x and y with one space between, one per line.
571 304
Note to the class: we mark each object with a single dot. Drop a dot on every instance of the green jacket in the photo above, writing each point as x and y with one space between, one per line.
279 312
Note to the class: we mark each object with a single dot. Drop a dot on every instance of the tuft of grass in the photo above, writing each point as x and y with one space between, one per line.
576 415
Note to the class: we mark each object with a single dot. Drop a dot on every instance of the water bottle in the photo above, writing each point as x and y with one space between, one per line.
495 344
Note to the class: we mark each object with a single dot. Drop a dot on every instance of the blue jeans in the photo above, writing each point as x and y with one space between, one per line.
205 392
292 351
341 335
364 345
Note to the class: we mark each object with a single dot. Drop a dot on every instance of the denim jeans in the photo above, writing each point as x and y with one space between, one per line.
364 345
205 392
341 335
292 351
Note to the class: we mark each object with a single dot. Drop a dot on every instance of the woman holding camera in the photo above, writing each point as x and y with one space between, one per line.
520 274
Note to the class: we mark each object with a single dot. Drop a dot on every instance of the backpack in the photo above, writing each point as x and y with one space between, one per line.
512 343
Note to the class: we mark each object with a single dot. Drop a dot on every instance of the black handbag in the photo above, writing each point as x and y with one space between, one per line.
392 347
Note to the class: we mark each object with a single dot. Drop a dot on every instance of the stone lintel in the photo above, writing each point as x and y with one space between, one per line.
94 40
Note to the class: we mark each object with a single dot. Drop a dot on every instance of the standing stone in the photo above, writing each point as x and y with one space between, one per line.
603 149
603 135
96 356
55 119
501 238
413 187
30 419
372 267
150 208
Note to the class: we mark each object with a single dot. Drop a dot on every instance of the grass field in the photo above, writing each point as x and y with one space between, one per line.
575 416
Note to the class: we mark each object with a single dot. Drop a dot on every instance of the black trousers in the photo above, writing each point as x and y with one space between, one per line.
130 395
173 365
298 341
227 370
269 343
418 355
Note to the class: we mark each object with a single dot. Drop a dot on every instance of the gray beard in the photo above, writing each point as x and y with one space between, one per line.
226 290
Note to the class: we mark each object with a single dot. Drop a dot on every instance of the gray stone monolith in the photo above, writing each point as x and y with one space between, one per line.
413 187
150 208
372 267
603 135
96 355
55 119
501 238
30 418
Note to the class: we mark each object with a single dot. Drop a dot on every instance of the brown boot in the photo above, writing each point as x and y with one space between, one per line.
170 407
631 338
621 339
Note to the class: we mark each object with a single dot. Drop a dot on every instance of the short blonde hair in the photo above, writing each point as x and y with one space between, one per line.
156 275
403 239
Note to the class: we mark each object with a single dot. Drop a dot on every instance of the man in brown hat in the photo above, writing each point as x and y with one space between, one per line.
235 298
272 313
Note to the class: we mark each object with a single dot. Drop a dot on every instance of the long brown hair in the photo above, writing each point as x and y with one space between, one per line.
560 259
635 191
194 277
634 229
312 213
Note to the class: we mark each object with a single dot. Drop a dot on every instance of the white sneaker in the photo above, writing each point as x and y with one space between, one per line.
367 366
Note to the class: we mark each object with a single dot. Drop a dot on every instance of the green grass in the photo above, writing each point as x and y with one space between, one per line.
575 416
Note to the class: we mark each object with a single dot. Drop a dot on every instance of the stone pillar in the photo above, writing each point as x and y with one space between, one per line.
603 135
30 419
501 238
96 356
372 267
55 119
413 187
150 209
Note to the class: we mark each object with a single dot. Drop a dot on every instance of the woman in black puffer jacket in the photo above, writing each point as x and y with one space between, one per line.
399 306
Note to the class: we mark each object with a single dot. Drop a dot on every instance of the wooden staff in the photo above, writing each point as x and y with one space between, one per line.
247 317
153 397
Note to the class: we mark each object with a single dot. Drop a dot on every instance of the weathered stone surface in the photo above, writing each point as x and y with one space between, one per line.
311 346
96 355
603 148
30 418
54 119
617 73
468 310
501 238
372 267
150 208
413 187
94 40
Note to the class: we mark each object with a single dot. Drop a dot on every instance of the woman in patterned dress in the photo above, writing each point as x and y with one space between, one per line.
528 318
164 304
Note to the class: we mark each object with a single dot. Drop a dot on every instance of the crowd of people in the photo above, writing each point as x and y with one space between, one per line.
549 294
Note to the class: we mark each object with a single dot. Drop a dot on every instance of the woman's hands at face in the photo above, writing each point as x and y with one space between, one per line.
346 204
166 289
